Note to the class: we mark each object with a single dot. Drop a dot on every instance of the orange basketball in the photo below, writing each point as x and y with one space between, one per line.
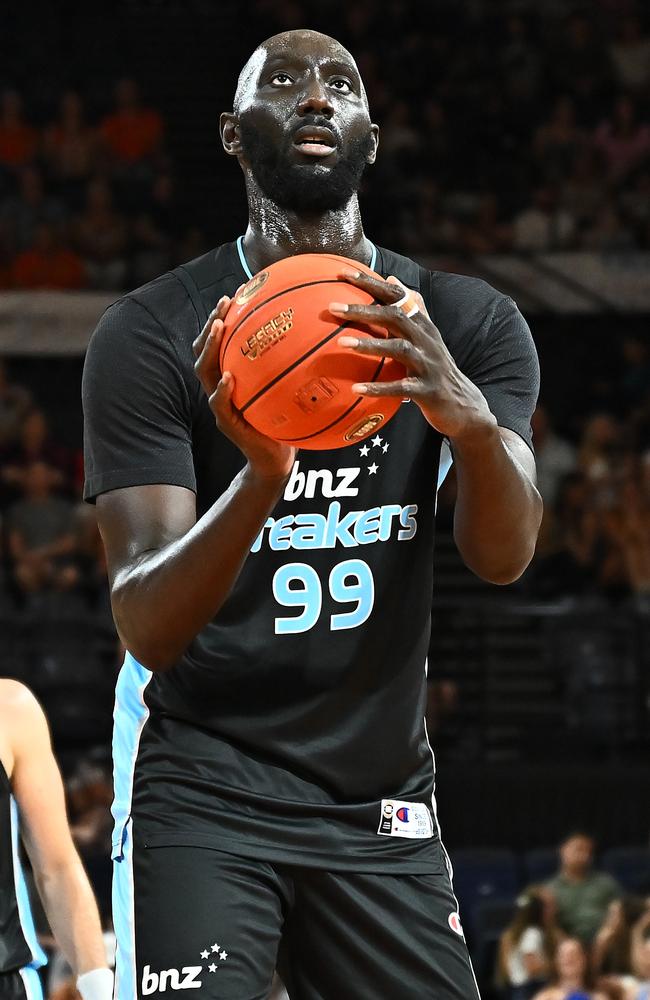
292 380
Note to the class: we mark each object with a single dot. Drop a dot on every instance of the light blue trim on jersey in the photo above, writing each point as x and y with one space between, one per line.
249 273
129 717
32 983
39 957
445 463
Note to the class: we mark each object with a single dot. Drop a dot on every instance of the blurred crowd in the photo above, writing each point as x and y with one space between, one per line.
86 203
510 126
577 936
50 539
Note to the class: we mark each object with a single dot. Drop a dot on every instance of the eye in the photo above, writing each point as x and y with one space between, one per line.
342 85
281 79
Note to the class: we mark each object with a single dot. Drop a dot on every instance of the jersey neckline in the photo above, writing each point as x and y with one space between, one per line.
249 273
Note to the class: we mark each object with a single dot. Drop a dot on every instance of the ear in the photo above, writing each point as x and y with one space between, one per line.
372 155
229 131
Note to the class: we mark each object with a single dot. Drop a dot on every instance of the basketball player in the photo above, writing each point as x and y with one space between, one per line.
31 792
274 785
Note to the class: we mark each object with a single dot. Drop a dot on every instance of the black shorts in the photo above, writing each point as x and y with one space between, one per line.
198 919
22 985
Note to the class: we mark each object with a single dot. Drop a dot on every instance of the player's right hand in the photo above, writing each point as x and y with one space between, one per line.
267 459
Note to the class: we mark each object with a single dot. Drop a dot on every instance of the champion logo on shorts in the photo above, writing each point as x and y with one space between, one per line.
405 819
455 924
186 978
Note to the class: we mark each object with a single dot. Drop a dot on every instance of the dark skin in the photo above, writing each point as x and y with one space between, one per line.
170 573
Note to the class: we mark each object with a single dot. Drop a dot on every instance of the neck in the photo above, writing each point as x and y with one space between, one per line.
274 232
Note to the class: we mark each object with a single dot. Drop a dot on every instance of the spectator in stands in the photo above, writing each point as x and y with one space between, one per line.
41 536
558 140
611 952
153 230
132 133
15 401
573 979
18 139
631 54
526 949
584 187
36 444
100 234
70 149
629 527
486 231
544 224
641 957
583 895
89 797
49 264
29 207
579 64
555 457
623 139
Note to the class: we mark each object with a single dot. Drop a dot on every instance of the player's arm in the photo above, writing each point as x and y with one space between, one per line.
169 573
498 508
36 783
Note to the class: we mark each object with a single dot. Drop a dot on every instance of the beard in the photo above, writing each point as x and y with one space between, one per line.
304 187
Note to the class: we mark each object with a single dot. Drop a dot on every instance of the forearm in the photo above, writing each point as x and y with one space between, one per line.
162 603
72 913
498 509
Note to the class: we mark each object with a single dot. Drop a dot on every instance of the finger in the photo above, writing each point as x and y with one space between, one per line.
388 316
376 286
406 388
218 312
411 301
206 365
388 347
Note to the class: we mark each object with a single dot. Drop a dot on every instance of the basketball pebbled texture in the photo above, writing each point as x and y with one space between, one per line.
292 380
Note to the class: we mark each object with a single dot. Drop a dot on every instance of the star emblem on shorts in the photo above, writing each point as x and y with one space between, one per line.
212 968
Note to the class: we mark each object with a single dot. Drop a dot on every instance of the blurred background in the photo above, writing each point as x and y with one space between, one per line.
515 146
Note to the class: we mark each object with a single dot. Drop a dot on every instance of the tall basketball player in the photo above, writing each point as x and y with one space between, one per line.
32 805
274 785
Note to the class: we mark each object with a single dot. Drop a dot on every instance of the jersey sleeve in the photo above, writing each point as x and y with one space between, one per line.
506 369
137 409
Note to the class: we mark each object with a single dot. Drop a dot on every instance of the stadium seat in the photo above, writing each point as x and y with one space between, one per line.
630 866
539 864
490 918
481 874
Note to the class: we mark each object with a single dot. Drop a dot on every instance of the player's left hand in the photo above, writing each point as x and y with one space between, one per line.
451 403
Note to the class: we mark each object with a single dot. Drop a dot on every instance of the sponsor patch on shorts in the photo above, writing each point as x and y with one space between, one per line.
405 819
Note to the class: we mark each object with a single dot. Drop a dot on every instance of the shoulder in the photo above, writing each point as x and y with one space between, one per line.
18 706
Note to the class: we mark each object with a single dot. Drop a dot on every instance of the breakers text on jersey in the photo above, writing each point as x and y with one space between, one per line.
297 584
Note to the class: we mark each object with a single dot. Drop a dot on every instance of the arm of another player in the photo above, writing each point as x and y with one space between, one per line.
60 877
170 573
498 509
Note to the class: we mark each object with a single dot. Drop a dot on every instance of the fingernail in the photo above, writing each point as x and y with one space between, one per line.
338 307
347 272
349 341
226 377
360 388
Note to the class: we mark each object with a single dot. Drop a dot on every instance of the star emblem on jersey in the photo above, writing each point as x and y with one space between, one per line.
372 469
376 441
364 451
215 952
212 968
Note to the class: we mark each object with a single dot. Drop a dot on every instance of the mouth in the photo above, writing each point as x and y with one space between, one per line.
313 141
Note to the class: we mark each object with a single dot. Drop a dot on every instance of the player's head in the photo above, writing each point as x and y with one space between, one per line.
300 85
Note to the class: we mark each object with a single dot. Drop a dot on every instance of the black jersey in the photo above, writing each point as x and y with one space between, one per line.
18 943
292 728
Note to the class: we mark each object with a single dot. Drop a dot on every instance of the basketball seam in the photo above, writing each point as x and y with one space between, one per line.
299 361
307 437
284 291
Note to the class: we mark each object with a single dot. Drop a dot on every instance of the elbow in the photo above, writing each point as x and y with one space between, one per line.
140 636
503 571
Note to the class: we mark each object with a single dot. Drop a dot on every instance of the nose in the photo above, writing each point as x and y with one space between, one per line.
316 100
